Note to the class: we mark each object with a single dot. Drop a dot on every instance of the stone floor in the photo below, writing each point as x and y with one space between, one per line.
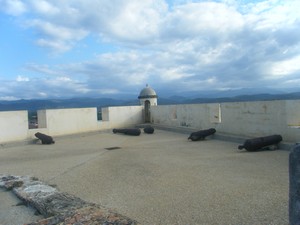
157 179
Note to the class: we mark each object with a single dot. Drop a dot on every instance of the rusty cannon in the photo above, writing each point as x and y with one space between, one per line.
201 134
256 144
46 139
128 131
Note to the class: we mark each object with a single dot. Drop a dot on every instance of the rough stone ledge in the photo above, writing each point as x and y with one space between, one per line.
59 207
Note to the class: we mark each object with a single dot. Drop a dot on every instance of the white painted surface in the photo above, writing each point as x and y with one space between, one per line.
123 116
57 122
249 119
42 118
293 113
13 126
191 115
69 121
253 118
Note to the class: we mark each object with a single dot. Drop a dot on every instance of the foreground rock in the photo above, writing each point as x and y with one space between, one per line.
58 207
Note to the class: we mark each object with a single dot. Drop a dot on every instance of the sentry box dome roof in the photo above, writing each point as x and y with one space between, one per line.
147 92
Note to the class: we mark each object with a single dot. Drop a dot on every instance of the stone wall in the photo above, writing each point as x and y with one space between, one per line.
13 126
57 122
247 119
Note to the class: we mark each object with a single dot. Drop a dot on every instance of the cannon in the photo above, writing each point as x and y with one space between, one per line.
200 135
149 130
128 131
256 144
46 139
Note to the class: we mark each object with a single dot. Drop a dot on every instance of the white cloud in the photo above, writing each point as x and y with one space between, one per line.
22 79
63 79
56 37
44 69
62 24
44 7
105 91
57 45
138 20
42 94
44 87
272 14
13 7
292 83
8 98
175 73
192 44
285 67
56 31
204 18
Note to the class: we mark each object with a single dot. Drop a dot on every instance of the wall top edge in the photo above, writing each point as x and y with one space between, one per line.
204 103
232 102
9 111
67 109
129 106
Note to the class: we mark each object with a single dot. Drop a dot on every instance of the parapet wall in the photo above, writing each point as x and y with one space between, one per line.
248 119
13 126
68 121
57 122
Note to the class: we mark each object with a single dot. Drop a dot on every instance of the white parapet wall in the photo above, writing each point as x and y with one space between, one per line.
13 126
68 121
80 120
58 122
254 118
191 115
122 116
248 119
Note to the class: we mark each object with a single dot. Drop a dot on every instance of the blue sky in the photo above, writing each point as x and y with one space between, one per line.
108 48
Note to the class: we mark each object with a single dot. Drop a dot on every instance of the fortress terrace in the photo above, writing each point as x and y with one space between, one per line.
159 178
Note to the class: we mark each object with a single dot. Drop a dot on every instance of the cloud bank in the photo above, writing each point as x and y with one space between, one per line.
175 46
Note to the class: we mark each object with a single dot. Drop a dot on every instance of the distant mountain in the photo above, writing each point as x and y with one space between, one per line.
229 93
241 98
34 104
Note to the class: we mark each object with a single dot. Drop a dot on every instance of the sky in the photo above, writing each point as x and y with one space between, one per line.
110 48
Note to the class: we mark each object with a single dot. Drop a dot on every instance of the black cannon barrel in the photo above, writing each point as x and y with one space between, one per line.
256 144
201 134
149 130
128 131
46 139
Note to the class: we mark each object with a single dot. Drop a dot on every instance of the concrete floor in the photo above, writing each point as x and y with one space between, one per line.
161 178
